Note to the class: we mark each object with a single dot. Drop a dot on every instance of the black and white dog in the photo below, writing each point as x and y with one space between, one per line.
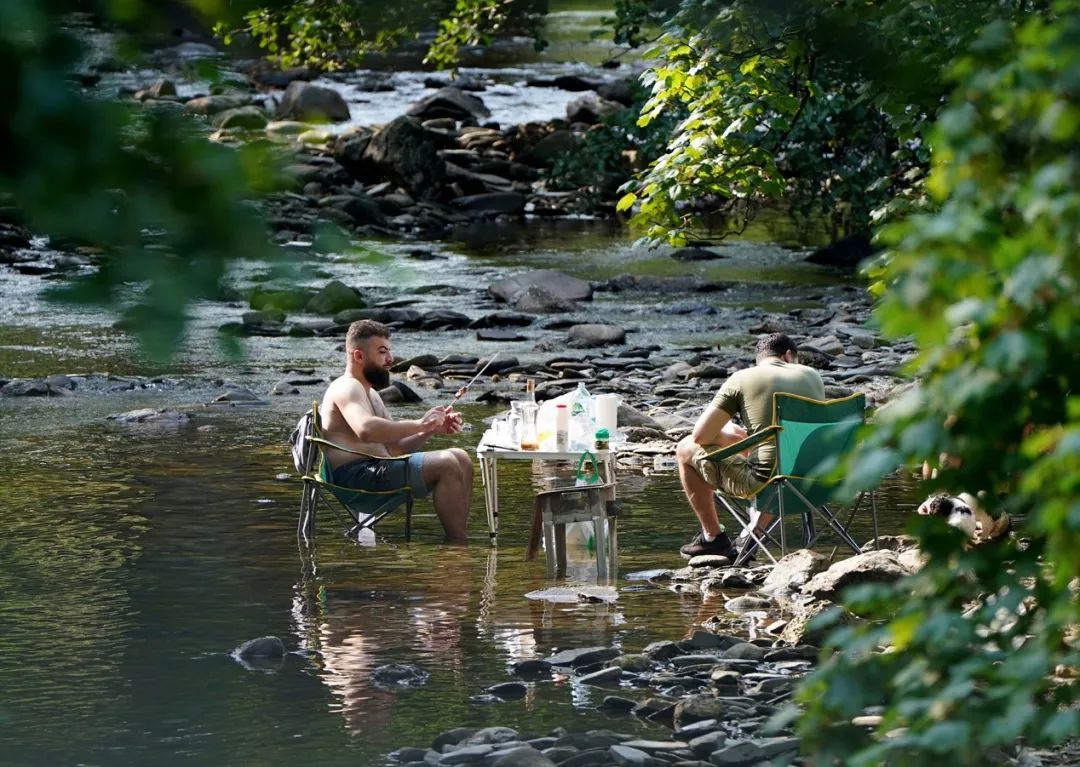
964 513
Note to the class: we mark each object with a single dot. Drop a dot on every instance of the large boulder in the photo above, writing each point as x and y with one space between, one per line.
408 154
335 297
304 101
794 571
560 285
552 146
450 102
591 109
594 334
245 118
208 106
847 252
505 203
349 149
537 300
872 567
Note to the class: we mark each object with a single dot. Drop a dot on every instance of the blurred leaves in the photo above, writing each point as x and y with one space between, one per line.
984 281
162 207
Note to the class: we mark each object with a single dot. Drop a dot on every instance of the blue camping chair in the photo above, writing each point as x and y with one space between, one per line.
808 433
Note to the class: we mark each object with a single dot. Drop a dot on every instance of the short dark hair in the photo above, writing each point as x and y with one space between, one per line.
774 345
361 330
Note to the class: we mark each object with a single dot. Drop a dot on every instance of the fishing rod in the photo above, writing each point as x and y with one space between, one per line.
461 392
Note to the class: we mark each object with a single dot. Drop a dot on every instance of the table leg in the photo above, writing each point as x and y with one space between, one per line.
489 501
600 542
549 546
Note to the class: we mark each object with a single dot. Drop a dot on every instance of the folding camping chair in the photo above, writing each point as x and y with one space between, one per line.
808 433
365 508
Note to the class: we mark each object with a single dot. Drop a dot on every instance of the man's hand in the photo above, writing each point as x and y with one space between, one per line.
433 422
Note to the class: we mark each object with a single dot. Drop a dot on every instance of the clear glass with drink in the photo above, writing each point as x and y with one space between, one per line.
529 436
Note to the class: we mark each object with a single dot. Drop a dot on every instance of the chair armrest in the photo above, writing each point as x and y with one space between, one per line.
342 448
769 432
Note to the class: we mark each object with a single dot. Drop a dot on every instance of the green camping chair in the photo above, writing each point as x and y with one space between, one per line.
365 508
808 433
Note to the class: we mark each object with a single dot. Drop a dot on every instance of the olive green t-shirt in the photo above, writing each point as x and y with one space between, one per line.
749 394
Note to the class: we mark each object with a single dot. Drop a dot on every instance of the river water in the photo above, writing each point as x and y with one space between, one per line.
135 559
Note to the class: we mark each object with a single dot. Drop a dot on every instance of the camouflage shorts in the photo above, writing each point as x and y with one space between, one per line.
731 476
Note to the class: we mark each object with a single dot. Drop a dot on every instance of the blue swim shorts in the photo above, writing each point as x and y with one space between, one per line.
384 475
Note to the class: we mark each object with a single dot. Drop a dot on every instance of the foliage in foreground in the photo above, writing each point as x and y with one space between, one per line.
817 105
986 284
117 179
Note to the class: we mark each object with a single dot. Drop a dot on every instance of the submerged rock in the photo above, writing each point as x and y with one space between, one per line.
304 101
262 647
399 674
148 415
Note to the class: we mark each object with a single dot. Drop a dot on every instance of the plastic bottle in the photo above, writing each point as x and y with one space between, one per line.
562 427
581 419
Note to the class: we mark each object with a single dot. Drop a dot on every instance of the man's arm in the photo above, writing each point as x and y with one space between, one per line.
451 425
369 427
715 427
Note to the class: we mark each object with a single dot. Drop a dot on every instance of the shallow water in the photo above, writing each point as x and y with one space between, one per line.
136 559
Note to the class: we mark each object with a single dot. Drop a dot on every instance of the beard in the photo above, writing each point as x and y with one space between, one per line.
378 377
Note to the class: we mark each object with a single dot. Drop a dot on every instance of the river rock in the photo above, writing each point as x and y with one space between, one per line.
399 391
602 677
262 647
552 146
238 396
591 109
306 102
245 118
335 297
531 668
847 252
399 674
363 210
499 203
284 387
794 571
155 416
502 320
161 88
522 757
582 656
208 106
872 567
595 334
741 753
438 319
695 254
508 690
26 388
450 102
408 155
538 300
624 756
291 300
560 285
349 149
492 735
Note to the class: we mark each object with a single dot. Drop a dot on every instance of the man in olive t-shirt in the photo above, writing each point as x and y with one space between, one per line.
748 394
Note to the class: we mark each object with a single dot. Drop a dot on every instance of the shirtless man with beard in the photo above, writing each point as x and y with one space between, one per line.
354 416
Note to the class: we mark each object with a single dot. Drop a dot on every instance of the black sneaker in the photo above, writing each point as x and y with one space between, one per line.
720 545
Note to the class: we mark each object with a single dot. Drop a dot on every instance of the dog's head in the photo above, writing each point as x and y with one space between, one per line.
955 510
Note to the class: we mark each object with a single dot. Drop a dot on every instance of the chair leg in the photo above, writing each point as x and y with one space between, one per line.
408 518
832 521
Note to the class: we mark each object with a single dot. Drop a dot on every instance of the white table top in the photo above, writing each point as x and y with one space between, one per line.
505 451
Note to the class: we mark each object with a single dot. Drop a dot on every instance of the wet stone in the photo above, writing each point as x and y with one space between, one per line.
466 754
605 676
616 704
533 668
624 756
582 656
509 690
524 756
398 674
262 647
745 651
737 754
493 735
